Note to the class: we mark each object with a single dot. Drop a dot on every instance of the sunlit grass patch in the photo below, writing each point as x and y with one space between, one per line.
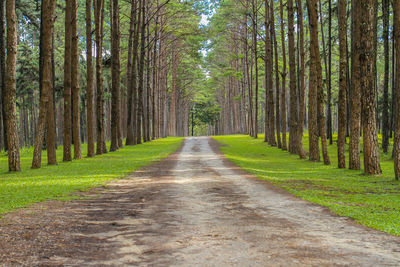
58 182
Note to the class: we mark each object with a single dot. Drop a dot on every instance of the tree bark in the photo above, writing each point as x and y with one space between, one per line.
51 144
254 34
302 99
367 62
3 126
131 74
67 85
293 136
396 143
313 133
155 81
385 107
75 81
269 93
174 77
320 92
355 115
47 84
148 73
342 112
115 65
89 81
284 73
99 18
277 89
11 107
141 73
329 80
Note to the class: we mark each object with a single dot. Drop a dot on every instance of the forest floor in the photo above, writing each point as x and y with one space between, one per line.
21 189
373 201
194 208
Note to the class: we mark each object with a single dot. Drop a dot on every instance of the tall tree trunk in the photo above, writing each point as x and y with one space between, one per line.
141 73
246 48
284 73
355 119
367 56
393 100
292 76
342 116
174 77
302 99
67 85
148 73
11 108
269 93
47 85
313 133
131 83
277 90
3 126
50 118
155 81
89 81
396 144
99 18
385 107
320 92
115 64
329 109
75 81
254 34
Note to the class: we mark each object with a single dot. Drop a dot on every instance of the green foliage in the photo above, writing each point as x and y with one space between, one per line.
373 201
27 69
21 189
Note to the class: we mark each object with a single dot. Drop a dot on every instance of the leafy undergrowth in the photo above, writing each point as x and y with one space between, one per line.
58 182
373 201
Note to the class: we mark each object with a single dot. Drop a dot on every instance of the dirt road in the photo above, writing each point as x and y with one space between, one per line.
192 209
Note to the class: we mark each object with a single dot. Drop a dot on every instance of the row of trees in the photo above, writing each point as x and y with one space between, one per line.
339 82
132 75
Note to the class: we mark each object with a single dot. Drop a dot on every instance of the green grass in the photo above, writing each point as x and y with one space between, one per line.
373 201
23 188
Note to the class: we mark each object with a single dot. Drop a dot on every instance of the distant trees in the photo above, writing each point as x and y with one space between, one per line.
356 101
150 79
113 101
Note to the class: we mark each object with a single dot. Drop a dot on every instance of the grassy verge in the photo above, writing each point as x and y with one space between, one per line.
52 182
371 200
